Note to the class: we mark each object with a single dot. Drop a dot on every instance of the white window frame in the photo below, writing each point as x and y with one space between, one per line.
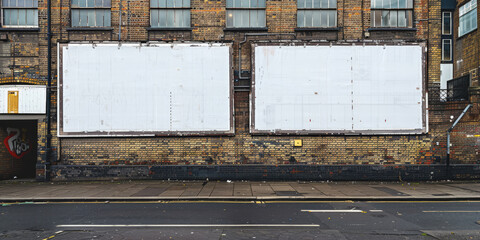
233 9
95 8
443 23
444 42
467 9
170 6
316 6
34 7
381 6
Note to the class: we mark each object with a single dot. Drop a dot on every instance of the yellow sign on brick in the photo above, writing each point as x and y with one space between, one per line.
298 142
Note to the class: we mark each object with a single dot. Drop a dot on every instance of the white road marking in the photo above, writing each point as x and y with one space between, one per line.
450 211
335 211
181 225
376 210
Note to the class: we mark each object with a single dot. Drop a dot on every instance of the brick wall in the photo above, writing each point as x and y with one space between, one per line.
24 56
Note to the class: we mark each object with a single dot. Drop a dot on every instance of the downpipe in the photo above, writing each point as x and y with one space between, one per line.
245 40
48 141
447 163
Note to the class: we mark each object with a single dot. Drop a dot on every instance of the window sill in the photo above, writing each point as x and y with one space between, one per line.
89 29
14 29
316 29
169 29
244 29
391 29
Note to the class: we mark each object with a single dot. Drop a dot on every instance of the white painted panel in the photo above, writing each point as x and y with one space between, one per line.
446 73
387 88
109 88
31 98
338 89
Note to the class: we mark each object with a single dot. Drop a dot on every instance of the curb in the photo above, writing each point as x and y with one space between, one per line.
239 199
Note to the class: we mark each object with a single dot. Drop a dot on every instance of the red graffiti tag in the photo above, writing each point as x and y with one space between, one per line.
15 146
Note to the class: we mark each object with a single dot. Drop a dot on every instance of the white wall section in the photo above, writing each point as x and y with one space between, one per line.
338 89
31 98
134 89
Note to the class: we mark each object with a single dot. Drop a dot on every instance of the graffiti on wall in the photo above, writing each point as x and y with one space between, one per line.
16 142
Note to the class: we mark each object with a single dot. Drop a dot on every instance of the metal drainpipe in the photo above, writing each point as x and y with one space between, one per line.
245 40
120 20
49 85
447 163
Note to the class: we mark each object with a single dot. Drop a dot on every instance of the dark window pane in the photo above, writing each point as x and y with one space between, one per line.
447 45
75 18
324 19
229 18
309 3
409 19
301 3
393 18
261 3
332 19
178 3
107 18
447 23
332 3
74 3
300 18
22 17
385 18
402 19
162 18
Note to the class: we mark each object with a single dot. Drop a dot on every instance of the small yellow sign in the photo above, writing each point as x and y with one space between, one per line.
12 102
298 142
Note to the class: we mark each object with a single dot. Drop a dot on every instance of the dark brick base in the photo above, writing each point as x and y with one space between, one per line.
267 172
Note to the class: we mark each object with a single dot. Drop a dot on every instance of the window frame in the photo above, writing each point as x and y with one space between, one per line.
443 23
407 9
249 9
319 9
170 8
2 14
72 8
443 50
460 15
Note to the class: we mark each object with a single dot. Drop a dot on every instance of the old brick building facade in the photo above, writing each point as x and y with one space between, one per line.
24 55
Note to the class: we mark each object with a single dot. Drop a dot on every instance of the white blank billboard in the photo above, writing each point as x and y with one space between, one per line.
135 89
365 89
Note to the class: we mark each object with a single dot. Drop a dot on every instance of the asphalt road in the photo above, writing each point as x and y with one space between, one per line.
241 220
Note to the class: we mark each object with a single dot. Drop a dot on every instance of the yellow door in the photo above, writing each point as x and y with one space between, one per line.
12 101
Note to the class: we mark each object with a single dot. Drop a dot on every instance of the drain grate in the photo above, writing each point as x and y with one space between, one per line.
442 194
390 191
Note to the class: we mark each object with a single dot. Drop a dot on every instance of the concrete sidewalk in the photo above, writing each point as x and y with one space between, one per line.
238 190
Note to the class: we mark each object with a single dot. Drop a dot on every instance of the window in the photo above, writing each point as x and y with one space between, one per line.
20 13
392 13
170 13
317 13
245 13
91 13
446 23
468 18
446 49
